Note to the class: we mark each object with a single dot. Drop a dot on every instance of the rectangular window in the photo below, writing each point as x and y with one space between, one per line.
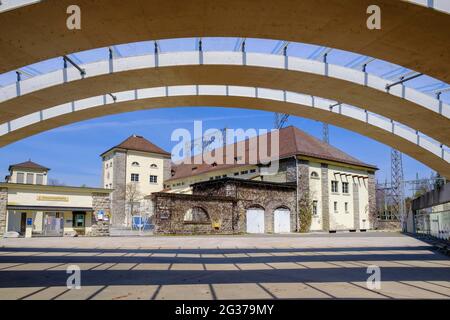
252 170
314 208
20 177
244 172
153 179
30 178
39 179
135 177
334 186
346 206
345 187
335 207
236 173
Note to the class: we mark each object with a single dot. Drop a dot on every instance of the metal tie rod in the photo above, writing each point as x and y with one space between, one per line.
113 97
388 86
67 59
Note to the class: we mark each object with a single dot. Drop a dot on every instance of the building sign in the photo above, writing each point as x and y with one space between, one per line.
53 198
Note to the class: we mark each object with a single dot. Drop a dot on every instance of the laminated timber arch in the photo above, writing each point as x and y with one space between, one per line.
345 116
402 104
412 36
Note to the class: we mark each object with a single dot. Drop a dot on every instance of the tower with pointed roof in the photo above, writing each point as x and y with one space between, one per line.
134 168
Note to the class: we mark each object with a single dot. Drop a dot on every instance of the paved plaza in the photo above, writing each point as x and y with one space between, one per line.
314 266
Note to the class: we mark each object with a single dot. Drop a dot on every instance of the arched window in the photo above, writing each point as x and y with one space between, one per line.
196 215
153 166
314 175
135 164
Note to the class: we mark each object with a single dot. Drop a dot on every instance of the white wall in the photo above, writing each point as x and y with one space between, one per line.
144 170
341 219
48 198
315 186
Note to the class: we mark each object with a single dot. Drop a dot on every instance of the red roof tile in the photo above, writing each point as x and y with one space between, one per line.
28 165
138 143
293 141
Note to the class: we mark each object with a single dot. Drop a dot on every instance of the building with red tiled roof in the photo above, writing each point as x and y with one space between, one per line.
133 168
27 172
138 143
339 189
293 142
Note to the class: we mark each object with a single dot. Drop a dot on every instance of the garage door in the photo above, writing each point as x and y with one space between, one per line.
282 221
255 220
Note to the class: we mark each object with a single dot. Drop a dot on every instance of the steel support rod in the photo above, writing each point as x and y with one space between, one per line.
388 86
113 97
67 59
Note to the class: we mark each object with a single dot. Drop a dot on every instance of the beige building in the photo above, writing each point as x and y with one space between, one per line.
29 207
340 188
133 169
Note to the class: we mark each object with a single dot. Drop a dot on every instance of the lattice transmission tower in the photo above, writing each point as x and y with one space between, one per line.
280 120
397 185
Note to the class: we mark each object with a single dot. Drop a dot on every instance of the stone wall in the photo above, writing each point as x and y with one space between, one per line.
325 198
167 167
388 225
119 193
303 190
3 209
100 201
268 198
170 210
264 195
372 200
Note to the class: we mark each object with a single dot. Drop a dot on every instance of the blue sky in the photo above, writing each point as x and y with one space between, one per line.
72 152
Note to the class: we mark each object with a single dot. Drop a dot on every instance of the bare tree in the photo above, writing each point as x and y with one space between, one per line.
133 197
55 182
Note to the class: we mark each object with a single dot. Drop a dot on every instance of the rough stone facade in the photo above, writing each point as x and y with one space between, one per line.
3 209
167 169
118 195
100 201
372 199
269 199
170 211
303 189
226 202
325 198
356 206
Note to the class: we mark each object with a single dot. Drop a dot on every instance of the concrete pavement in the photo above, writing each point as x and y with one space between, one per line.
320 266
